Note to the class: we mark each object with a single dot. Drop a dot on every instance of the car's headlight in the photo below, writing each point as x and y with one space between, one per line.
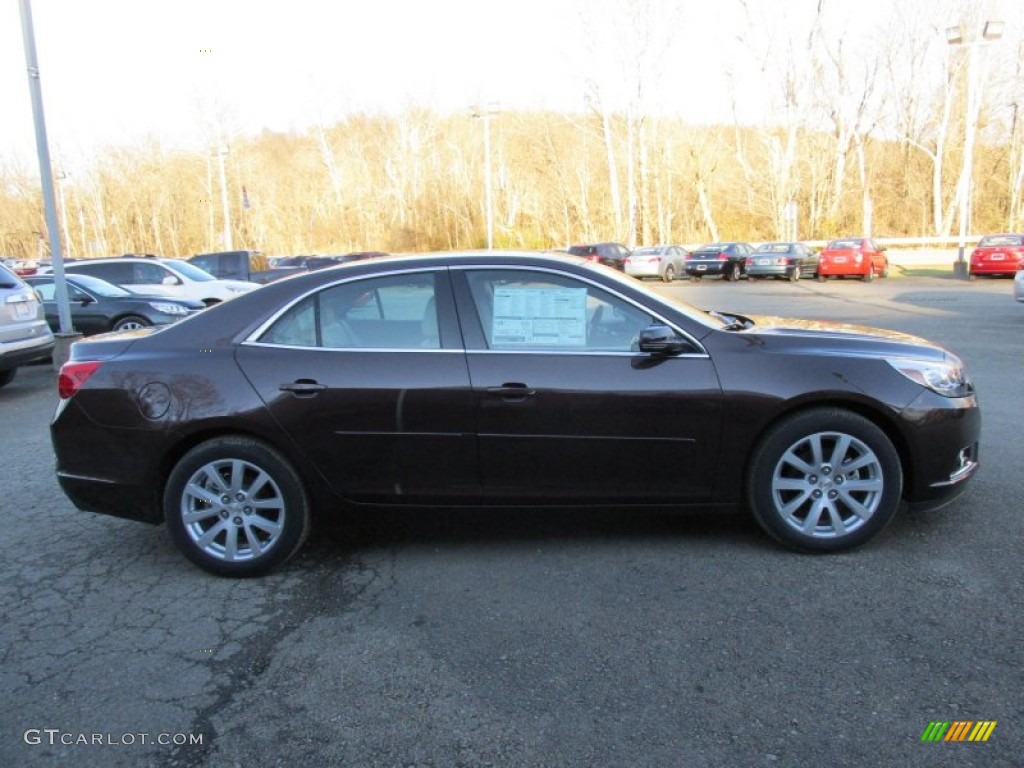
947 379
168 308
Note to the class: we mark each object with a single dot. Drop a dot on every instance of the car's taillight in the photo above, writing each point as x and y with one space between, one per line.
749 262
722 257
72 376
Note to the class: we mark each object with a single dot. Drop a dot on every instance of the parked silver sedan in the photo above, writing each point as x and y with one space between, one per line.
662 261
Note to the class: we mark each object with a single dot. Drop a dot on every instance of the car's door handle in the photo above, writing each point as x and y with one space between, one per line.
303 387
512 391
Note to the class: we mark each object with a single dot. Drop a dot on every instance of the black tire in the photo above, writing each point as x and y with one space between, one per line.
794 275
244 512
869 276
670 274
697 277
130 323
6 377
789 497
885 270
733 272
820 278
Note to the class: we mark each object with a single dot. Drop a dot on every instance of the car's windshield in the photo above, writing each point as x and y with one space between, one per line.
678 305
191 271
997 240
99 287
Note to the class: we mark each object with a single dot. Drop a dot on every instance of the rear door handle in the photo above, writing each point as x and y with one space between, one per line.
303 387
513 392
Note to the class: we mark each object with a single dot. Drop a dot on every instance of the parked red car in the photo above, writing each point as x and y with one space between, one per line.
998 255
853 256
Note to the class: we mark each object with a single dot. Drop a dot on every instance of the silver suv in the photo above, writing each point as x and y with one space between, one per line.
24 335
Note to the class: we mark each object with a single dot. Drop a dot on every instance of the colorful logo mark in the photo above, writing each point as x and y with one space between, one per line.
958 730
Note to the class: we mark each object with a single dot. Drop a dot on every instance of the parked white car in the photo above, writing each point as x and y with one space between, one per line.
165 277
1018 284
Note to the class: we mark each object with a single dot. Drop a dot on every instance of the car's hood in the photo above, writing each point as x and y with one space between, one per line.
842 338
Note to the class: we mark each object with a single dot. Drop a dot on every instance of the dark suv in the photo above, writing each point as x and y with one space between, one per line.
609 254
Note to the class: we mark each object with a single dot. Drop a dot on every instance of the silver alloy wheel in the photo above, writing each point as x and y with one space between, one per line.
827 485
130 325
232 510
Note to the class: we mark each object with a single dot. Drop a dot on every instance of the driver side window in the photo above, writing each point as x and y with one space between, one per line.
538 311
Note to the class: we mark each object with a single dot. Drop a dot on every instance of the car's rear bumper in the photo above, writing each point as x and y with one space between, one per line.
25 351
706 268
110 497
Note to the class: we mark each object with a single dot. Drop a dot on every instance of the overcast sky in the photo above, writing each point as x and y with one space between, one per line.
115 71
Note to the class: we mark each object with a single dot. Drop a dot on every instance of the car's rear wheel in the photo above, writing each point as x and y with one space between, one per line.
733 273
7 376
794 274
885 270
670 274
824 480
869 276
236 507
130 323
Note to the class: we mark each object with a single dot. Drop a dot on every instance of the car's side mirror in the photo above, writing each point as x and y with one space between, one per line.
171 280
661 340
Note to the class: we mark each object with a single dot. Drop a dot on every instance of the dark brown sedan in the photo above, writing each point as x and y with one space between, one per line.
498 379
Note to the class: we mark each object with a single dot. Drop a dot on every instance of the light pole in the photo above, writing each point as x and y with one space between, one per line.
958 35
485 113
222 152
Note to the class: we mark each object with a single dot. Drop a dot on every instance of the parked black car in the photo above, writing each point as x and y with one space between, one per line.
98 306
727 260
610 254
495 380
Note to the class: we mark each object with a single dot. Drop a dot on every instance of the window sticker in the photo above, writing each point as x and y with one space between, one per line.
539 317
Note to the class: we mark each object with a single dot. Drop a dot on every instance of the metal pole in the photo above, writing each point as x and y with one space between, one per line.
487 166
961 269
224 199
45 169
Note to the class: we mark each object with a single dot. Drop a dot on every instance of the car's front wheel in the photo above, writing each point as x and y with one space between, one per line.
130 323
824 480
236 507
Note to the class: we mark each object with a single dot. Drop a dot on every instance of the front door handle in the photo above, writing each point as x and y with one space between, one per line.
512 392
303 387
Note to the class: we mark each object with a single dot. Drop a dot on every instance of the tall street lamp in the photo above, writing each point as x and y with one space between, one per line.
222 152
485 112
959 35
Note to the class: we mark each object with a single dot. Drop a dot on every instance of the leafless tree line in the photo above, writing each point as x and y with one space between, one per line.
856 137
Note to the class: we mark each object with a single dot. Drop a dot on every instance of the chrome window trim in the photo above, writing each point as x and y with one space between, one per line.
253 338
643 308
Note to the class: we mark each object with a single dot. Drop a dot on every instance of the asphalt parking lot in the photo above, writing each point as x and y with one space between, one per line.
534 638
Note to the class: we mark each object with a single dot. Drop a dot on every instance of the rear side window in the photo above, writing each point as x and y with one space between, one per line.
112 272
394 312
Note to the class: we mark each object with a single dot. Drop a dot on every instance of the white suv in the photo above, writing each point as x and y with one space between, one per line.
166 277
